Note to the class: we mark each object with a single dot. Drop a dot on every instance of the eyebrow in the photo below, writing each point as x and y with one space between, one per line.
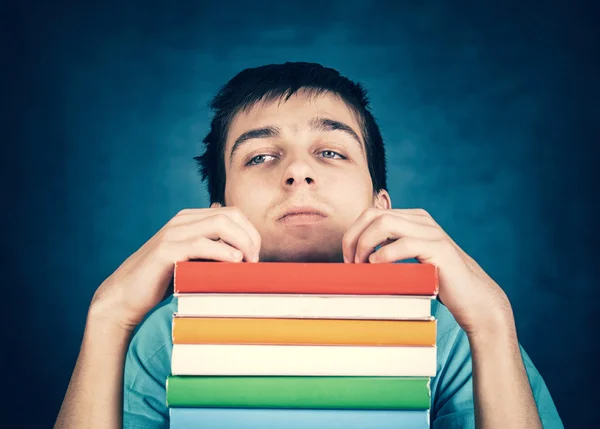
315 124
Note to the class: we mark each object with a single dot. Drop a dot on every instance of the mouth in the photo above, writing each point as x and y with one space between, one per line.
302 217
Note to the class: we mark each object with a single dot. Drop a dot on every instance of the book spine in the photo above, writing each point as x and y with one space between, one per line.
382 307
306 278
201 418
195 330
299 392
202 359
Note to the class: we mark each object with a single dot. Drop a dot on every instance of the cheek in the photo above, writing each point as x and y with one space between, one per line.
236 188
251 196
351 196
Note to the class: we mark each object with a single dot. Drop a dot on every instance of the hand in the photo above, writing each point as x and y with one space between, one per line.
473 298
140 283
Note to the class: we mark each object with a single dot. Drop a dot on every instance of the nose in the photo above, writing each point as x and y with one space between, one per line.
298 173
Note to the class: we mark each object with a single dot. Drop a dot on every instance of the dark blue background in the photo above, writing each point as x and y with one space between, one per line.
490 114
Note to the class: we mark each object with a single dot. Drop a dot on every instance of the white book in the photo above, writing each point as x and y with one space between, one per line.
395 307
219 359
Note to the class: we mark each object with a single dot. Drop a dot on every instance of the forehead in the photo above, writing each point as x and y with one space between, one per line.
293 113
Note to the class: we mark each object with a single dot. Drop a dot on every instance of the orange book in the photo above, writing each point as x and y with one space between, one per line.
306 278
237 330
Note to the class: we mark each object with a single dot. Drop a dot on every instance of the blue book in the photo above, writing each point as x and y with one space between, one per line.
257 418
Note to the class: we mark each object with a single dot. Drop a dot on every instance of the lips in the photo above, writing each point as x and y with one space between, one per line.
302 212
302 219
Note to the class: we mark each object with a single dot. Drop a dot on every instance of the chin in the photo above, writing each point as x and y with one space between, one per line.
302 254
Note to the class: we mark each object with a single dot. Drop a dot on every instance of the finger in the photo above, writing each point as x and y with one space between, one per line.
233 232
186 213
350 239
205 248
184 216
418 215
415 217
239 217
390 227
422 250
192 216
416 212
351 236
216 227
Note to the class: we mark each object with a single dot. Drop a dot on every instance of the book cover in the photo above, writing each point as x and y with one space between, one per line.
306 278
241 418
211 330
385 307
226 359
299 392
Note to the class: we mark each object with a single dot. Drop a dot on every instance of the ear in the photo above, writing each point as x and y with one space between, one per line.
382 200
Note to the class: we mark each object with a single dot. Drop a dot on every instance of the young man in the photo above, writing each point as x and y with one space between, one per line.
295 166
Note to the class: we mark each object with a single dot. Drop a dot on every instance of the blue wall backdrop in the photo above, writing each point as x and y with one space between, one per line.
490 113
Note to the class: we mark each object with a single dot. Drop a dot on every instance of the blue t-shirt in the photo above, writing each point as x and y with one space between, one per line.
148 364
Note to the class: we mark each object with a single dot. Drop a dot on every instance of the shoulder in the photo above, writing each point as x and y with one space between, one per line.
447 328
541 394
147 366
154 333
149 352
453 350
452 387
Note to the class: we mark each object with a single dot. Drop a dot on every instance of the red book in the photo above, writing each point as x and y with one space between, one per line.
306 278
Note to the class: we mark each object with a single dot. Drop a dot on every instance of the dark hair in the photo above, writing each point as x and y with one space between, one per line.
281 81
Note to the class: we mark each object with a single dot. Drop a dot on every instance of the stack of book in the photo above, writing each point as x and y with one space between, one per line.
302 345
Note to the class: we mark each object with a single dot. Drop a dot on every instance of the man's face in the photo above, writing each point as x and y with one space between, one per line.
298 170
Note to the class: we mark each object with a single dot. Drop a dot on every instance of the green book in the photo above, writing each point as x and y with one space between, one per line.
316 392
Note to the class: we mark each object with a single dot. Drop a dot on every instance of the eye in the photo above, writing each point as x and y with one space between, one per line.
331 154
258 159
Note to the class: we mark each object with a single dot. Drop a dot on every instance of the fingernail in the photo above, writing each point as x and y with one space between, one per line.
237 255
356 259
345 259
